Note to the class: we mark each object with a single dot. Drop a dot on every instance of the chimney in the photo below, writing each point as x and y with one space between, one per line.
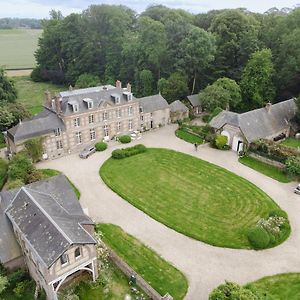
118 84
268 106
129 87
57 104
47 99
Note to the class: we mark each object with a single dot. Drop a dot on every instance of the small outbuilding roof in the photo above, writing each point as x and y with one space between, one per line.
153 103
259 123
178 106
194 100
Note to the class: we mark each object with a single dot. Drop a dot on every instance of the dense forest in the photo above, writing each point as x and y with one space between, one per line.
234 57
12 23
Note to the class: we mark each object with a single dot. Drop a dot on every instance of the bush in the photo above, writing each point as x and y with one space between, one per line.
258 238
34 148
19 167
293 166
125 139
33 176
3 283
101 146
221 141
278 213
127 152
3 172
17 276
15 184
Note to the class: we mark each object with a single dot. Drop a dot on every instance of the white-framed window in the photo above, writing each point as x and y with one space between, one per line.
91 118
57 132
130 125
141 109
92 134
64 259
117 99
106 131
75 108
78 137
59 145
77 252
118 126
129 97
90 104
105 116
130 111
142 118
119 113
76 122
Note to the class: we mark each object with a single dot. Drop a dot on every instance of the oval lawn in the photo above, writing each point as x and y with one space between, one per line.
189 195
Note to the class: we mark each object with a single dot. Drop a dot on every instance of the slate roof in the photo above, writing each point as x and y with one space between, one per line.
49 216
178 106
259 123
194 100
153 103
45 122
99 95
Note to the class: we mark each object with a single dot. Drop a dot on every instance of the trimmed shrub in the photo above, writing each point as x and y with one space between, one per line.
101 146
258 238
221 141
125 139
293 166
127 152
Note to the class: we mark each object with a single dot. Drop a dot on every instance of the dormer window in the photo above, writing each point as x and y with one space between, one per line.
64 259
128 95
141 109
75 108
90 105
57 132
77 252
89 102
116 98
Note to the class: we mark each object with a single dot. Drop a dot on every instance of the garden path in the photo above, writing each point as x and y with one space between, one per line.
205 266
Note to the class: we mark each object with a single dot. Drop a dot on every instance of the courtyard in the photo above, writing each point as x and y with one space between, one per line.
205 266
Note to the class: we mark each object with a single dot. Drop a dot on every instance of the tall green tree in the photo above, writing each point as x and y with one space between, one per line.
146 83
8 91
174 88
257 80
237 38
197 51
224 93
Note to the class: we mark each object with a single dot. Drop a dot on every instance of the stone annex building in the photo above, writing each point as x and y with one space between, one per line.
44 227
76 119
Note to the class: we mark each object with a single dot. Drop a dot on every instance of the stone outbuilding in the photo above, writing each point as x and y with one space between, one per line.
196 105
178 111
270 122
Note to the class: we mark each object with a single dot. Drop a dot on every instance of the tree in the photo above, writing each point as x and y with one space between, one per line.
6 119
197 52
34 148
224 93
3 283
257 79
237 38
146 83
173 88
8 91
87 80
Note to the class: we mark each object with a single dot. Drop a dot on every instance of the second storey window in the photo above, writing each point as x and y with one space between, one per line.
130 111
105 115
142 118
59 145
76 122
119 113
105 129
64 259
57 132
91 119
130 125
118 126
78 138
92 134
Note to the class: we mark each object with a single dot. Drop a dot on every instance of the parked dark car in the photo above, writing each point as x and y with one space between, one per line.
86 152
297 189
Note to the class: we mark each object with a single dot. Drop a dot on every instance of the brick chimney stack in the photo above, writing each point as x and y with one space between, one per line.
129 87
268 106
118 84
47 99
57 104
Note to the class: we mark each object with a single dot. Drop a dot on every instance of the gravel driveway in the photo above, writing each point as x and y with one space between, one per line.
205 266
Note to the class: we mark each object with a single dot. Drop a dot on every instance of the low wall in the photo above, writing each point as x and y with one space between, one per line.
127 270
267 161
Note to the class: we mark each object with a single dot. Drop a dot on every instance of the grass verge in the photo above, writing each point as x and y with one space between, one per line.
188 137
160 274
3 172
265 169
189 195
292 142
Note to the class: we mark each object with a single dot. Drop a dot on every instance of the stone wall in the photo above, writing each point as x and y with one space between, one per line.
267 161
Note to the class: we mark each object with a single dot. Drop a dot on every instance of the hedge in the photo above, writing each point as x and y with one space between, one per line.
101 146
125 139
126 152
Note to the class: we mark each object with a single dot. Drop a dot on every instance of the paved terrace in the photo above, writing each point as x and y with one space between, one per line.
205 266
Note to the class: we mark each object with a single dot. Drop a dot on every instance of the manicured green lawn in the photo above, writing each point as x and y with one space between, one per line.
280 287
188 137
3 172
51 172
265 169
292 142
18 47
192 196
32 94
161 275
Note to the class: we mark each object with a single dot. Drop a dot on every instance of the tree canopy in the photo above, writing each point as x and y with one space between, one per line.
8 92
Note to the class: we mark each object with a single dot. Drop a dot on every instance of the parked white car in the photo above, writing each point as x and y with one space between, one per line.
297 189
